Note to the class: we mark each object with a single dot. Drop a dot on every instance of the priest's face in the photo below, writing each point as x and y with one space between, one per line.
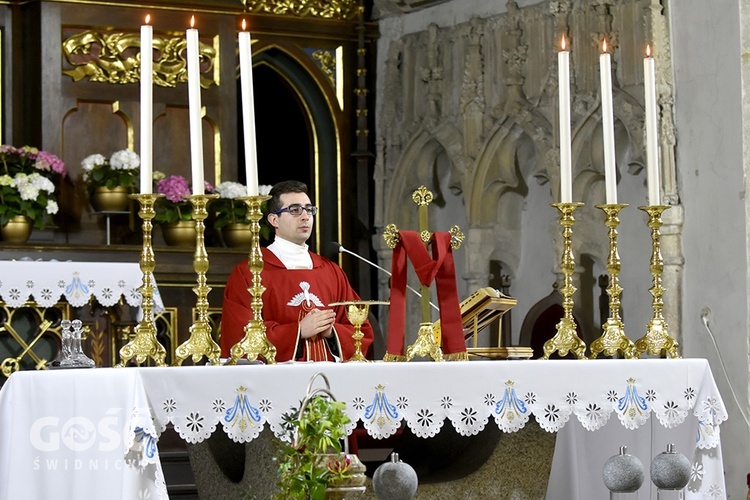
296 229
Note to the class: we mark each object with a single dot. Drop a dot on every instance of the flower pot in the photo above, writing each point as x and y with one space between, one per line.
237 235
345 492
115 199
350 487
180 233
17 230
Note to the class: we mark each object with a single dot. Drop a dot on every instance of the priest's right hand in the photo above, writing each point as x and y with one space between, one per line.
317 321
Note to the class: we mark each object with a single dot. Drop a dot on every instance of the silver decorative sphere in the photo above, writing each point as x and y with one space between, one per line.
670 470
395 480
623 473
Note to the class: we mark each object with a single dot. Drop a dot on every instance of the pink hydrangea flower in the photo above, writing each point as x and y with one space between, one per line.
175 188
47 161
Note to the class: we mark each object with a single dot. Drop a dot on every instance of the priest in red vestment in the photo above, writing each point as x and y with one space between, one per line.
299 286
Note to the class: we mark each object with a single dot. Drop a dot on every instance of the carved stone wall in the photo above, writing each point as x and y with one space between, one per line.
470 111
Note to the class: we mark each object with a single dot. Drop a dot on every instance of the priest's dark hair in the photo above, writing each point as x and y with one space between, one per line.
280 188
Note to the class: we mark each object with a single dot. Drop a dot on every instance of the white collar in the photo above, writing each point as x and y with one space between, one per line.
292 255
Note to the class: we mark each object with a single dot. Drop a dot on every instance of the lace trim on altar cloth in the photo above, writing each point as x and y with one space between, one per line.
383 412
143 455
77 282
141 439
425 397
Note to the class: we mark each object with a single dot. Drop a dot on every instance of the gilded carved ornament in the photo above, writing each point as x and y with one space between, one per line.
114 58
346 10
327 61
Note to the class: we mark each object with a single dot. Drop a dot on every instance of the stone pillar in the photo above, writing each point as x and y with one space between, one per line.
674 263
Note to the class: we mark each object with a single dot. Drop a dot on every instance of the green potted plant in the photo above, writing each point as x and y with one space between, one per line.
109 181
173 211
27 190
174 206
312 462
231 213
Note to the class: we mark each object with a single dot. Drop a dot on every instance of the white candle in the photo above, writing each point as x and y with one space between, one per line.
608 126
146 106
563 75
195 110
248 112
652 147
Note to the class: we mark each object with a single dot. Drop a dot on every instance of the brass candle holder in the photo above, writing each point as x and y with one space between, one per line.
255 343
657 337
356 313
144 344
200 343
566 339
613 340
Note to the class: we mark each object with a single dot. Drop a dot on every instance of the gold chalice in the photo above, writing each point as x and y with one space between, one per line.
356 312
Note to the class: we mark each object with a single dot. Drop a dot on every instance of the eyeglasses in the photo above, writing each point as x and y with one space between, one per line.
297 209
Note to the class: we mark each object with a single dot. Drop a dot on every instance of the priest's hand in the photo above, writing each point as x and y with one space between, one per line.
317 321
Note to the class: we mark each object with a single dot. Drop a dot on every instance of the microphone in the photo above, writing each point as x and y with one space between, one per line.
339 248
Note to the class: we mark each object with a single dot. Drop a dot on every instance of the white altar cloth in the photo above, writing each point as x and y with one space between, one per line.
74 434
242 400
45 282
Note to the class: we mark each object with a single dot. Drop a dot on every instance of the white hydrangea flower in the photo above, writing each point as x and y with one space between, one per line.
92 161
26 187
6 180
19 180
264 189
125 159
52 207
42 183
28 192
231 189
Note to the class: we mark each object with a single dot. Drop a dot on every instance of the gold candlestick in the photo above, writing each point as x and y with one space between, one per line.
656 337
144 345
356 312
255 343
566 339
200 343
613 340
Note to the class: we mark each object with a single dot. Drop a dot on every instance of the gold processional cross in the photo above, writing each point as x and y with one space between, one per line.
426 343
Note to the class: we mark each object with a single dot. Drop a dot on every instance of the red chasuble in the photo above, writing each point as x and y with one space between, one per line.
290 294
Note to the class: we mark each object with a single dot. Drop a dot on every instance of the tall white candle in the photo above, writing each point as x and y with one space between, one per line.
608 126
566 176
652 147
147 103
248 111
195 109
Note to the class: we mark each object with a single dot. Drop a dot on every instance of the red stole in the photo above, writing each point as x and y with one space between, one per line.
316 348
439 267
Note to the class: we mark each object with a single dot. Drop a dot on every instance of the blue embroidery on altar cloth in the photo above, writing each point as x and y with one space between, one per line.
149 446
631 402
76 288
510 406
381 410
242 413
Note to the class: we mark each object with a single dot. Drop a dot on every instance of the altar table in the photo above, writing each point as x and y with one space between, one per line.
76 433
